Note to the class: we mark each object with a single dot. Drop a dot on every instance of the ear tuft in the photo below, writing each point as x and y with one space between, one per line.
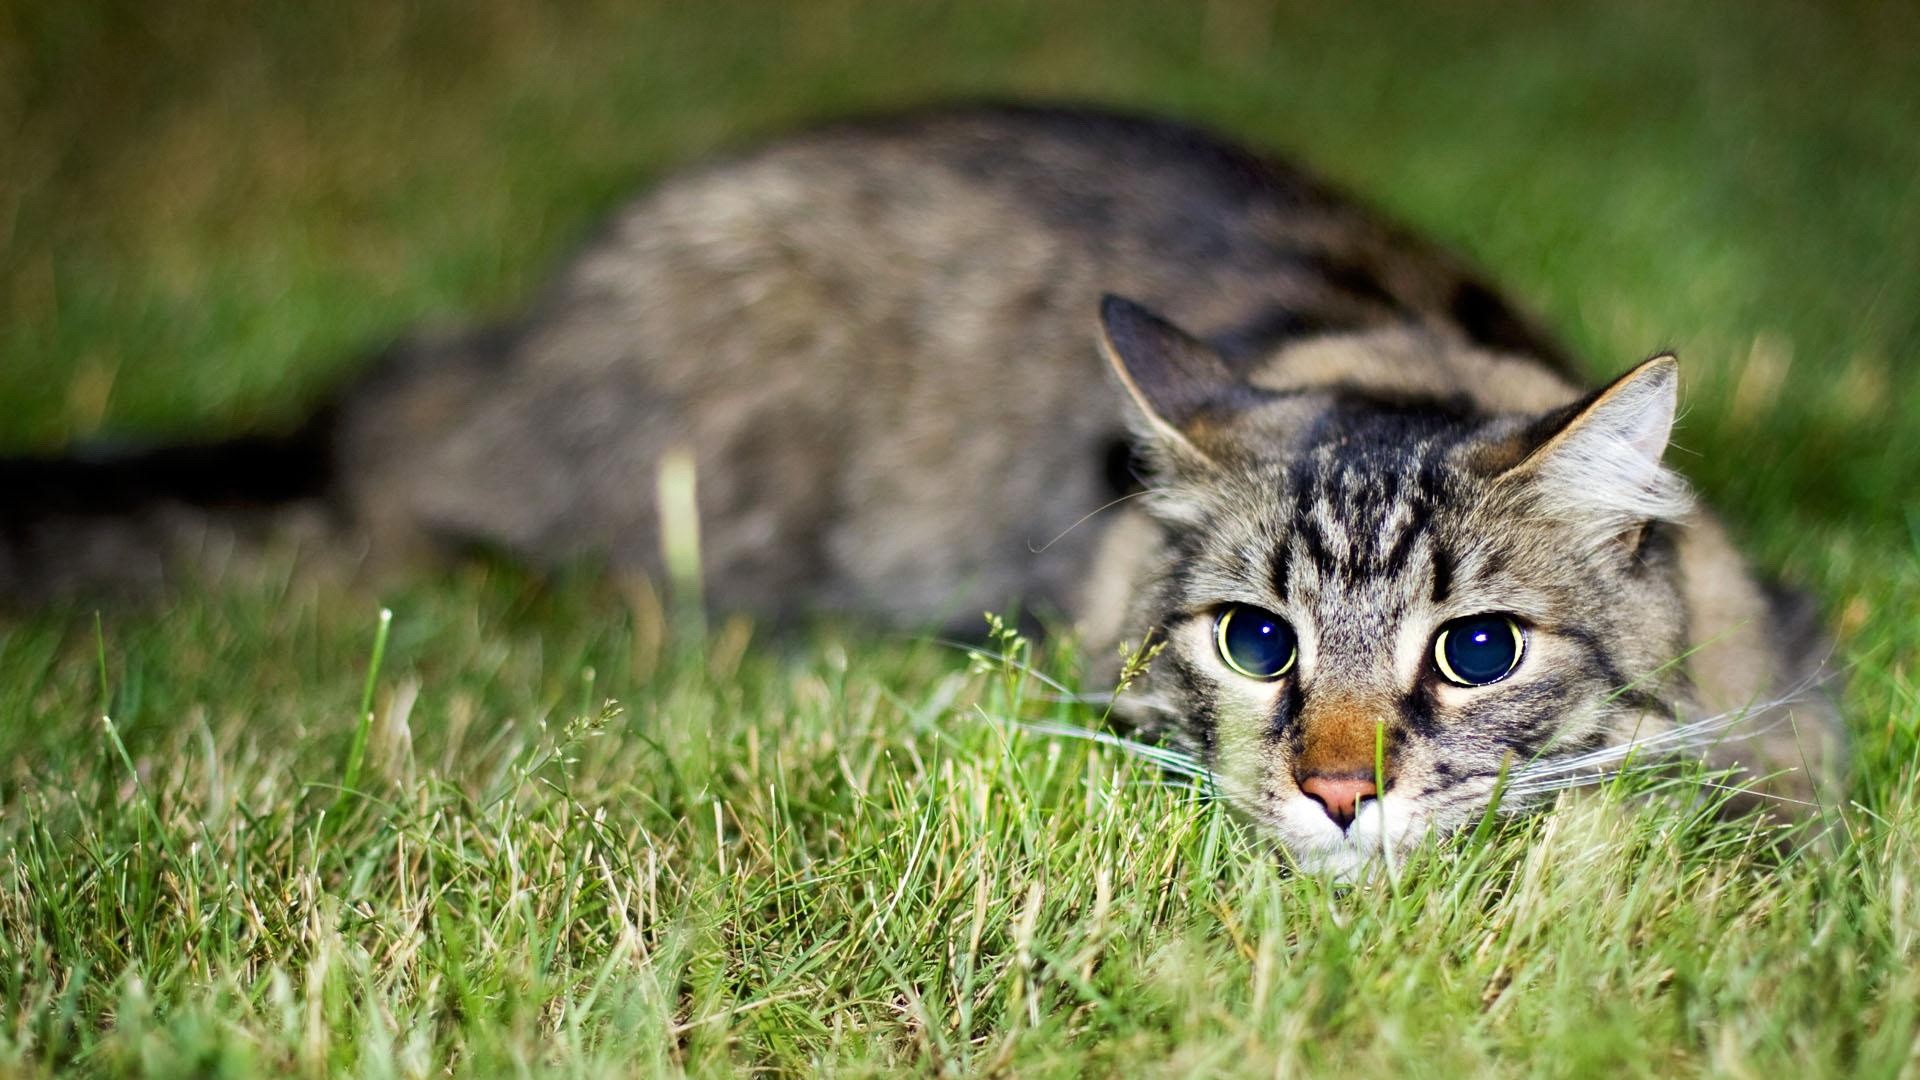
1173 377
1602 462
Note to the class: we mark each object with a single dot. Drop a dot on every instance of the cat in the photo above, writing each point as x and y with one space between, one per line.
921 365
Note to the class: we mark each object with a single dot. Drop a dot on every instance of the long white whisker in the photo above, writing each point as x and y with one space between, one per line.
1571 783
1751 792
1102 698
1619 751
1089 516
1166 757
1689 735
1567 780
1681 733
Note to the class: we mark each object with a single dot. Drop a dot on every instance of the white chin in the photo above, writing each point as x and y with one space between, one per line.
1320 847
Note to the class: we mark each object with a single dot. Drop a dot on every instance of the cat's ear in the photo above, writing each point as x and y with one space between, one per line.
1175 379
1599 460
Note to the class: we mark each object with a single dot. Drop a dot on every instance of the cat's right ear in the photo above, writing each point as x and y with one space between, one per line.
1175 380
1598 461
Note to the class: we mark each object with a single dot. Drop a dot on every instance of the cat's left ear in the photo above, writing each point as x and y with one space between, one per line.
1176 380
1598 461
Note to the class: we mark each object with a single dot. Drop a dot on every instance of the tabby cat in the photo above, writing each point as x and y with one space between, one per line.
1389 545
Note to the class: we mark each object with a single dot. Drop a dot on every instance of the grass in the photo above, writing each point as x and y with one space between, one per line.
575 838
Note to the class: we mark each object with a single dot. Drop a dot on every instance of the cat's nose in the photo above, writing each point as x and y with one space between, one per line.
1339 796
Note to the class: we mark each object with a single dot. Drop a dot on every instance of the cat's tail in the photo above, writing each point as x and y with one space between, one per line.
109 519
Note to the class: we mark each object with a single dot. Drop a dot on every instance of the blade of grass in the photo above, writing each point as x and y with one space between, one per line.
363 729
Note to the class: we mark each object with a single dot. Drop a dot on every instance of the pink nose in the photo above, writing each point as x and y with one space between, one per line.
1340 796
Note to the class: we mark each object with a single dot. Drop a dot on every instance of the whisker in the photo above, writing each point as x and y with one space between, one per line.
1693 734
1572 783
1158 754
1743 789
1103 698
1617 752
1681 733
1579 778
1166 757
1089 516
1586 777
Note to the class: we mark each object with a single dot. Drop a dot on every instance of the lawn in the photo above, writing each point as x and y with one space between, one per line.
580 836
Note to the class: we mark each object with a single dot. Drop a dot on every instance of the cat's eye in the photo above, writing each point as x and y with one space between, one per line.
1254 642
1479 649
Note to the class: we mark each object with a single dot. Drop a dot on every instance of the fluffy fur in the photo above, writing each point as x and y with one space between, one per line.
1368 513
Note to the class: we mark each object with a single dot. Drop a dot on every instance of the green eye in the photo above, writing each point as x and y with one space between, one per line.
1479 649
1254 642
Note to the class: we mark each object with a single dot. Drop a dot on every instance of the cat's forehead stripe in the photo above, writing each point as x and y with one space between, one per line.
1442 575
1355 514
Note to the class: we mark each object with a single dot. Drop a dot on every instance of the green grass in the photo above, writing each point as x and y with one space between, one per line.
836 853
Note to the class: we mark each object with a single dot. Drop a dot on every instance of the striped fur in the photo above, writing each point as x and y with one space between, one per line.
1369 513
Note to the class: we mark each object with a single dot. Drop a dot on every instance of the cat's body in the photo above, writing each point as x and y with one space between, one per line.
876 343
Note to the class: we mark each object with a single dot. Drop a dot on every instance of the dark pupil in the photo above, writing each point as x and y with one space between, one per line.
1480 650
1260 643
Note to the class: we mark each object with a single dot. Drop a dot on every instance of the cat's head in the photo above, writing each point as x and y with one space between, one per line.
1386 560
